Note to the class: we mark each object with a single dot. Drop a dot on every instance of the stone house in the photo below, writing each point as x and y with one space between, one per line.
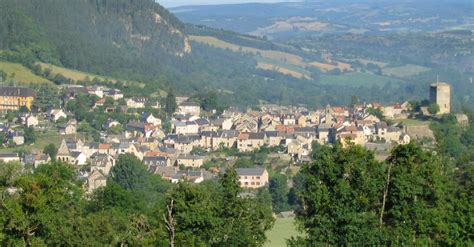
324 131
193 161
95 180
102 162
288 119
252 177
151 119
352 133
31 121
36 159
56 114
191 176
18 138
67 129
181 128
156 161
273 138
9 157
113 93
247 142
227 139
189 107
110 123
79 158
136 102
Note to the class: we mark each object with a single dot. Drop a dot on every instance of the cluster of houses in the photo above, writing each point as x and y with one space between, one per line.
166 154
294 128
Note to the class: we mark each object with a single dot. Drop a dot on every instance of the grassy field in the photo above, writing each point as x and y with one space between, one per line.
282 62
22 74
405 70
282 67
367 61
411 122
283 229
42 140
72 74
270 54
360 79
328 67
278 61
80 75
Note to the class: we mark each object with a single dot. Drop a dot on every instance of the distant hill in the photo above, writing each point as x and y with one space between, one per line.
140 41
315 17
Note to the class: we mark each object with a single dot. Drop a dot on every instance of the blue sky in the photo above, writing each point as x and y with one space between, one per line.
174 3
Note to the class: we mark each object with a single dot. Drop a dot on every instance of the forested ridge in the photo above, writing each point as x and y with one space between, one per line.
141 41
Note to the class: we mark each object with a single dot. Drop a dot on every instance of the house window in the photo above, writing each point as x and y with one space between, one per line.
246 183
258 183
253 183
245 177
258 177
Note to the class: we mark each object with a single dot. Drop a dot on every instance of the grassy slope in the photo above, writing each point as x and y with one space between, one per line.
405 70
360 79
282 62
80 75
22 74
410 122
42 139
72 74
283 230
278 55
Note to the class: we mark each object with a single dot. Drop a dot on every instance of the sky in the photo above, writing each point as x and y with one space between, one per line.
174 3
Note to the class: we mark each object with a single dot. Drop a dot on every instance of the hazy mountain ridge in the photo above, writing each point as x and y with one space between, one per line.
300 18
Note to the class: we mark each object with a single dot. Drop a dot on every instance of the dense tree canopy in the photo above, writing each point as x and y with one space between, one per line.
349 198
48 207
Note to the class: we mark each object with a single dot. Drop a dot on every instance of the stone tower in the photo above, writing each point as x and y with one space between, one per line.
440 93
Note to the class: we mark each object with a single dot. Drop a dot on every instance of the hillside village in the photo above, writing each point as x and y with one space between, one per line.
185 143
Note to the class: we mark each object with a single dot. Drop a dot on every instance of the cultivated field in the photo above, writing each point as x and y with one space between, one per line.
279 61
405 70
80 75
72 74
327 67
282 70
22 73
357 78
270 54
367 61
283 67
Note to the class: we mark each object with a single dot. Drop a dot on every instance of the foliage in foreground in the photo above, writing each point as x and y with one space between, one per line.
413 198
48 207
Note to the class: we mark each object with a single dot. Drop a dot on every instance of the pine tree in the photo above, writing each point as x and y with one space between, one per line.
170 104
